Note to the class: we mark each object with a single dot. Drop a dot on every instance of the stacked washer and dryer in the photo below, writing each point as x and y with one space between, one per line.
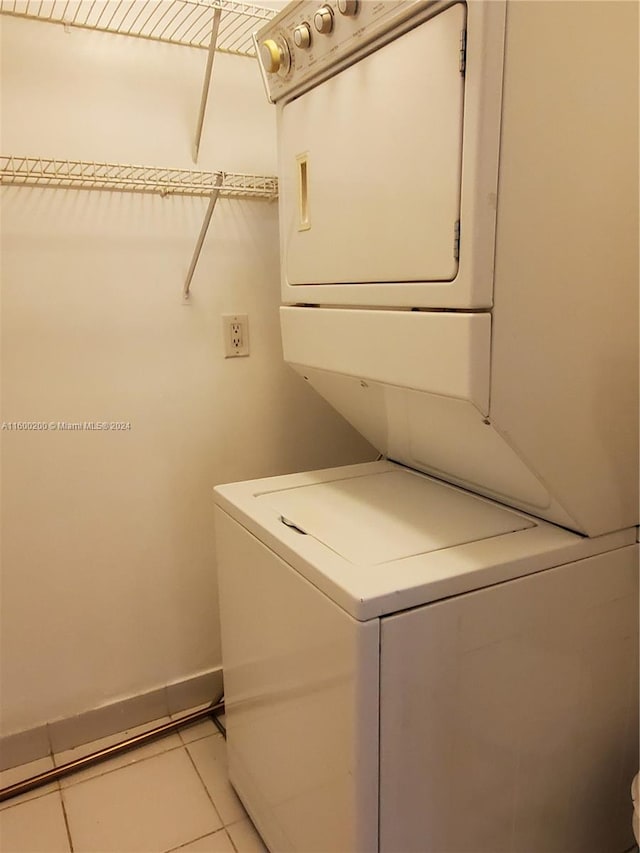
438 651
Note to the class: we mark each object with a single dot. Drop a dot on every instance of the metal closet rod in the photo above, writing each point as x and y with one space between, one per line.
48 776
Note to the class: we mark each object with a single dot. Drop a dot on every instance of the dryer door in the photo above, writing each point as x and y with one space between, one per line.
388 170
371 164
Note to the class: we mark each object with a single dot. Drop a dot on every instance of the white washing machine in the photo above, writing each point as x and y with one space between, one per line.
409 667
438 652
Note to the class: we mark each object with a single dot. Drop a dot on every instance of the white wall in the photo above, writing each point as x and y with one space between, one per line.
108 571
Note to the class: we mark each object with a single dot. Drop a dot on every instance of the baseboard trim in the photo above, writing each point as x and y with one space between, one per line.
66 733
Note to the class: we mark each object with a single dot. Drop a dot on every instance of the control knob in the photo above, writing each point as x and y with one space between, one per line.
323 20
275 56
348 7
302 35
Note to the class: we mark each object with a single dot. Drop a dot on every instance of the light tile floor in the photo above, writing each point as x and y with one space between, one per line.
171 795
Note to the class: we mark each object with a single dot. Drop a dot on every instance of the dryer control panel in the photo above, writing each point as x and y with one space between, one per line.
309 41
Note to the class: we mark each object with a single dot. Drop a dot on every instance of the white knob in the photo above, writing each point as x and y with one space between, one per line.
348 7
323 20
275 56
271 55
302 36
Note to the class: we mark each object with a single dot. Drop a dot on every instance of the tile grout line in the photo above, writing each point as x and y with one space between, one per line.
225 826
245 816
199 838
246 820
196 739
202 782
37 793
70 783
66 820
114 769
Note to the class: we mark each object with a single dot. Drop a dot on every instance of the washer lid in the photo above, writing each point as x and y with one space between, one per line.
382 538
388 516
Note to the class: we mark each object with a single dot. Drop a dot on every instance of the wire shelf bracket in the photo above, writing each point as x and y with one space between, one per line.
203 233
215 28
114 177
213 25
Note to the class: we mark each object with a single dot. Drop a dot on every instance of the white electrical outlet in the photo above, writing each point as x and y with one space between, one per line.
236 335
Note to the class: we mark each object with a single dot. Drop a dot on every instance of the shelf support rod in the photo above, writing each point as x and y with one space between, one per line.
207 81
203 233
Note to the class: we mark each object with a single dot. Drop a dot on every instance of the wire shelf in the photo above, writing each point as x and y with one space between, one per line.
78 174
184 22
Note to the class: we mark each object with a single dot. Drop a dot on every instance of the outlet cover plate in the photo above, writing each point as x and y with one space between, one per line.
235 328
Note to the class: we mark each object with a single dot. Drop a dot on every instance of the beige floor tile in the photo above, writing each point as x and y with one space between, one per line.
245 838
25 771
153 805
217 843
36 826
210 757
198 730
139 754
